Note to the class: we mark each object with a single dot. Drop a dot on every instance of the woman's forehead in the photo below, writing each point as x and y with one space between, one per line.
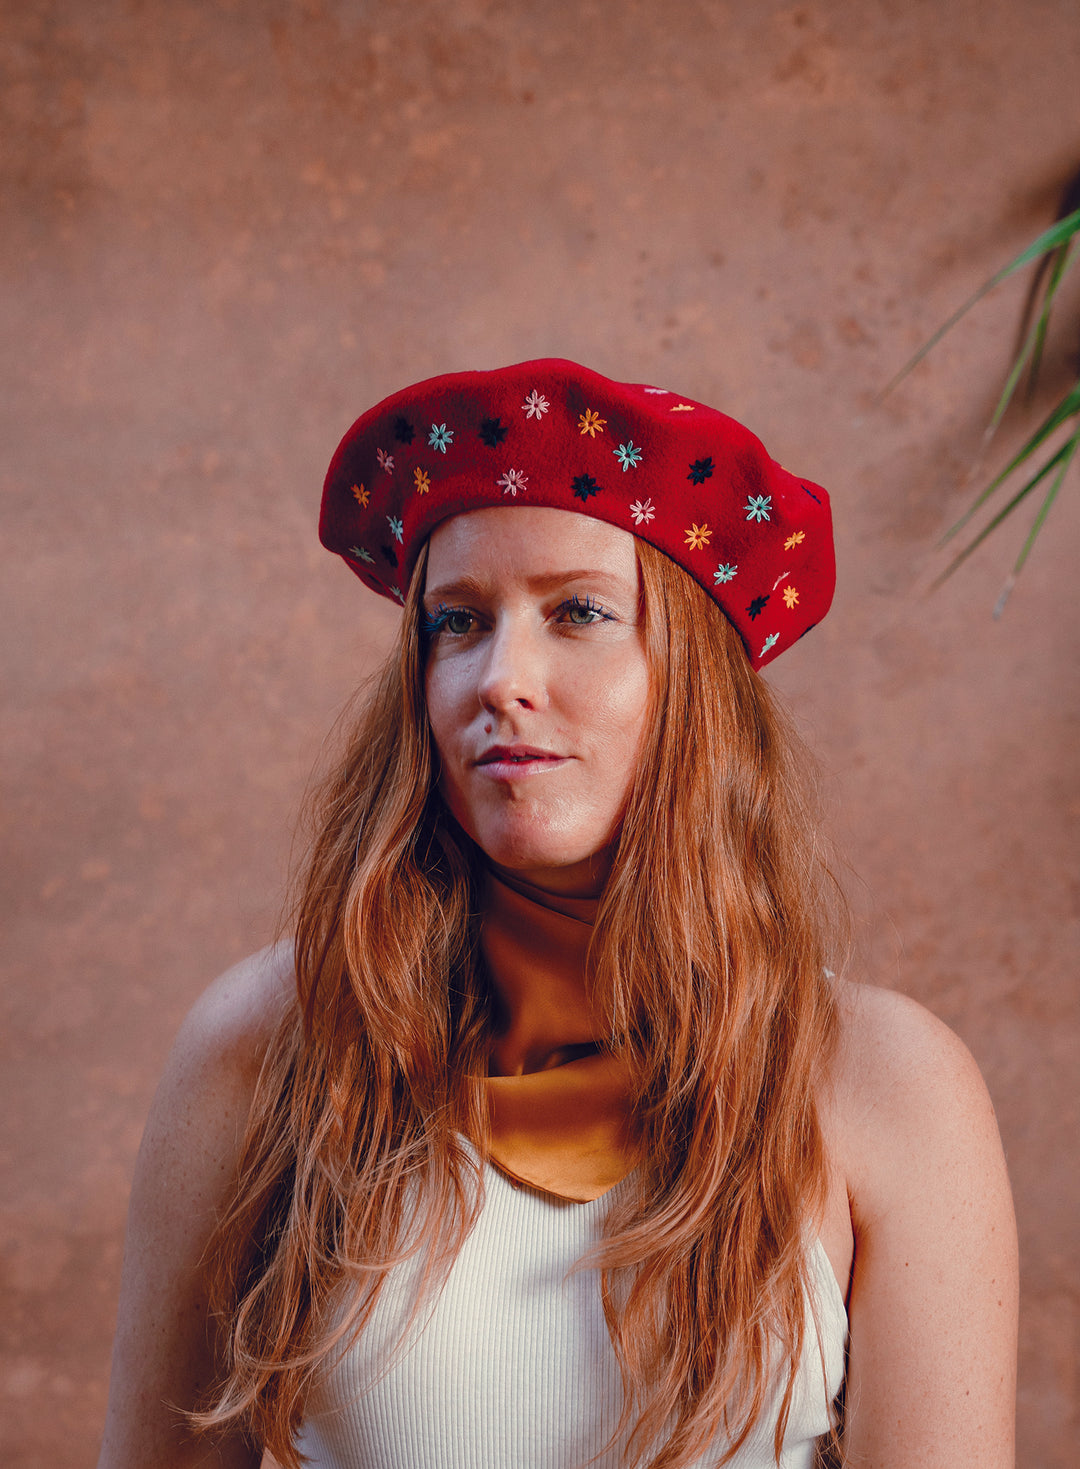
531 542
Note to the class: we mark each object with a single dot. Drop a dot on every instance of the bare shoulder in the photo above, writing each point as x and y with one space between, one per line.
186 1170
932 1304
230 1024
908 1097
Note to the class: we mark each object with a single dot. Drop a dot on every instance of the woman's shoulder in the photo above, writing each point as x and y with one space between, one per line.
200 1110
231 1023
184 1176
908 1102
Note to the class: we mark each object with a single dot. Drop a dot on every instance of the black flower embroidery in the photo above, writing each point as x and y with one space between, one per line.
493 432
404 431
389 554
701 470
584 486
757 607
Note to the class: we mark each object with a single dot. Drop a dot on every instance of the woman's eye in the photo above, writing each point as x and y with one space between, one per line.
581 611
454 619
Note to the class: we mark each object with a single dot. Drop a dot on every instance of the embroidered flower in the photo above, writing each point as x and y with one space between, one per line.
757 606
493 432
361 495
386 461
701 470
795 539
584 486
440 436
683 408
757 507
535 405
396 529
397 593
697 537
361 554
642 510
591 423
404 431
725 572
423 481
627 455
662 392
774 637
512 481
790 596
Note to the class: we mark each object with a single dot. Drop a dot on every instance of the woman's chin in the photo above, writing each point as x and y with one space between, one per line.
574 873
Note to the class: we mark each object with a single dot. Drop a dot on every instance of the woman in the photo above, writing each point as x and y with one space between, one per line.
551 1139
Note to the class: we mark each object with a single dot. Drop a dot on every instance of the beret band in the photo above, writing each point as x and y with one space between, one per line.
690 480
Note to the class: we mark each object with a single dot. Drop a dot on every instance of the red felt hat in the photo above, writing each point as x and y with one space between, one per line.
688 479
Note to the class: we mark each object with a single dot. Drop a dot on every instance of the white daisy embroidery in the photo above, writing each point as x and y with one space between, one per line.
512 481
535 405
642 510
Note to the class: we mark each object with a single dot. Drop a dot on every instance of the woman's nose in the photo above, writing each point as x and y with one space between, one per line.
513 674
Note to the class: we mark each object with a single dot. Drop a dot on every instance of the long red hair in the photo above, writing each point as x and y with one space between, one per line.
708 955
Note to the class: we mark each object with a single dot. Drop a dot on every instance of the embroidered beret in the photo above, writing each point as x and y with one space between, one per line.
690 480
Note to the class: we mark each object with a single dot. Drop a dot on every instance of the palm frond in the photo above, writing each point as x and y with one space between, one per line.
1058 249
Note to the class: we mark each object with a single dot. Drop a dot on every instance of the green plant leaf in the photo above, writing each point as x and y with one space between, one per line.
1058 234
1063 457
1068 406
1033 343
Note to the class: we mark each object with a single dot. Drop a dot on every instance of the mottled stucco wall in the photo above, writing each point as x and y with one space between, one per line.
228 227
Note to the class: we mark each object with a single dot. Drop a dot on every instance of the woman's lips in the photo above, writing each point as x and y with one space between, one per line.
510 762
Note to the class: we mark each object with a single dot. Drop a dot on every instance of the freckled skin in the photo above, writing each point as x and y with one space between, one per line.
518 662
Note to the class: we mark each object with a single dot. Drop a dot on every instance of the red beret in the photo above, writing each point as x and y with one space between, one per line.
691 481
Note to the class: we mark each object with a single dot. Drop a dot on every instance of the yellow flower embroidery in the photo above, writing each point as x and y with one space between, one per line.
697 536
790 596
683 408
423 483
361 494
795 539
591 423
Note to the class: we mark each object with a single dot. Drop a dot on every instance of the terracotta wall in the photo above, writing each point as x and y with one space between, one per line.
230 226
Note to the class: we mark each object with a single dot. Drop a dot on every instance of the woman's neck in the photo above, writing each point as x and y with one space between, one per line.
534 945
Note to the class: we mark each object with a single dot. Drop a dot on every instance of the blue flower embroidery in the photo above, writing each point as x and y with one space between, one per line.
774 637
361 554
725 572
395 528
627 455
440 436
757 507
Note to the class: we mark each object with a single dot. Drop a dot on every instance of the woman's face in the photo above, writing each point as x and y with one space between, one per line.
537 686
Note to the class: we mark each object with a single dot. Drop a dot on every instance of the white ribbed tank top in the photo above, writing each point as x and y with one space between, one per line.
510 1366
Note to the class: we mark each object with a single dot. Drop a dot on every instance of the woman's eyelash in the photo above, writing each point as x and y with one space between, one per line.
587 603
435 621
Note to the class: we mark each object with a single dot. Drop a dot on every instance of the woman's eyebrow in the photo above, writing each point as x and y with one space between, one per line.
467 586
